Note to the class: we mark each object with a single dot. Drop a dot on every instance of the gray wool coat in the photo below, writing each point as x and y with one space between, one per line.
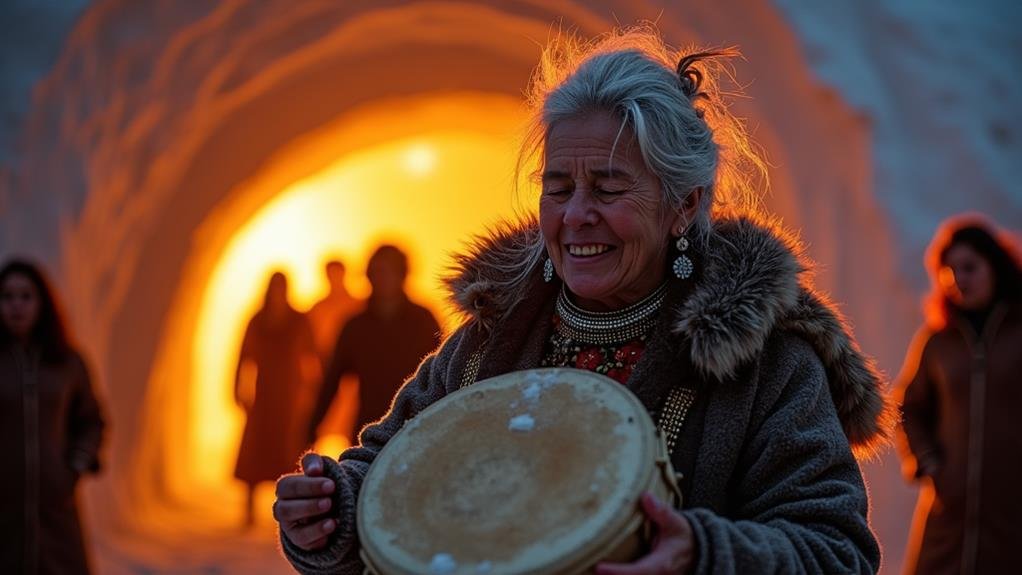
783 395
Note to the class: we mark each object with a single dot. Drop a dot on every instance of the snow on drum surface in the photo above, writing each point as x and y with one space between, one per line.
483 494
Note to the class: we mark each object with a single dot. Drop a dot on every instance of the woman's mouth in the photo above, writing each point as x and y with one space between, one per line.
588 250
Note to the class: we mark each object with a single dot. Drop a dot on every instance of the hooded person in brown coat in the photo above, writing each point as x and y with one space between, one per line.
51 428
960 389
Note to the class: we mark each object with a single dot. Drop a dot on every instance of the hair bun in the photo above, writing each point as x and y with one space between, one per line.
690 78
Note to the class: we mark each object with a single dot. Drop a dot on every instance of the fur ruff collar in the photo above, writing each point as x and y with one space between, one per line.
754 279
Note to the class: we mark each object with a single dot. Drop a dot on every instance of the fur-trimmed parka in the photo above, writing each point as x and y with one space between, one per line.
783 396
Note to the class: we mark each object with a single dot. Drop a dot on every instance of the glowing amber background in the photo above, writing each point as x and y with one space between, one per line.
160 145
428 193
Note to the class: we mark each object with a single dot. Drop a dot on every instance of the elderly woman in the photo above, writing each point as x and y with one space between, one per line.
640 269
960 389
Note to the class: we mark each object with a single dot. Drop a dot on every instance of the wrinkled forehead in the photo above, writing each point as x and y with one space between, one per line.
595 141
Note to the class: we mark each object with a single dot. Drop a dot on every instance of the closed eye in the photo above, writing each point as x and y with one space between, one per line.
609 194
556 192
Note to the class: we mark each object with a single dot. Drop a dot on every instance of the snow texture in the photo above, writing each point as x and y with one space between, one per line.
521 423
442 564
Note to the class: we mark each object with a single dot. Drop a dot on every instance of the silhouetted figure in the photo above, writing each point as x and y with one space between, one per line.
279 345
329 314
961 390
382 345
51 428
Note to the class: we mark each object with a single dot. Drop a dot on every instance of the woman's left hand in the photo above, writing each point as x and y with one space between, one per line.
673 546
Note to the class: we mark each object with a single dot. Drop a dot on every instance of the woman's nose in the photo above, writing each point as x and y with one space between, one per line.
580 210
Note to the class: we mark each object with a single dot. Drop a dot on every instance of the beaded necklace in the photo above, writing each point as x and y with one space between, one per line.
602 328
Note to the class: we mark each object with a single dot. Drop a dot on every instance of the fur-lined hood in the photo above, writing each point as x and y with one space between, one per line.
754 279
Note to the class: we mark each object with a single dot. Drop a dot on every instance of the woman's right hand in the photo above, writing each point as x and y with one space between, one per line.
303 502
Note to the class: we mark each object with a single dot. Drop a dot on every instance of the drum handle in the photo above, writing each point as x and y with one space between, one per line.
368 569
671 477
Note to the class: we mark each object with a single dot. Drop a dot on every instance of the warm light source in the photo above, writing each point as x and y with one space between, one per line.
343 211
419 159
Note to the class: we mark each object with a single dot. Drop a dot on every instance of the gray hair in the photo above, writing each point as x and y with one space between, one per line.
687 136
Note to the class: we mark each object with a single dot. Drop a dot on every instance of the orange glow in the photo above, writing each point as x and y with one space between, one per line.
332 444
414 191
946 279
419 159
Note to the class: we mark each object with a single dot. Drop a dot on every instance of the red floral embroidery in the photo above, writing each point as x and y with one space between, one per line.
630 352
616 361
590 359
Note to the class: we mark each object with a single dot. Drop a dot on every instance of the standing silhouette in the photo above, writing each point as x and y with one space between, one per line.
51 429
382 345
279 348
328 316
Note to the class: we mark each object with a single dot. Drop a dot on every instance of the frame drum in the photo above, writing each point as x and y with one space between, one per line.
536 471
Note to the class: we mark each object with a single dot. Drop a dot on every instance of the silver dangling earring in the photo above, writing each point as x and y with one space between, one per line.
548 271
683 266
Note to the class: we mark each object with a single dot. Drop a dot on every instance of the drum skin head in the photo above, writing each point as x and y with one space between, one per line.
528 472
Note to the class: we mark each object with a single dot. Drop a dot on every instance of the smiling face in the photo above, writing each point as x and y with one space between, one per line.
603 220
